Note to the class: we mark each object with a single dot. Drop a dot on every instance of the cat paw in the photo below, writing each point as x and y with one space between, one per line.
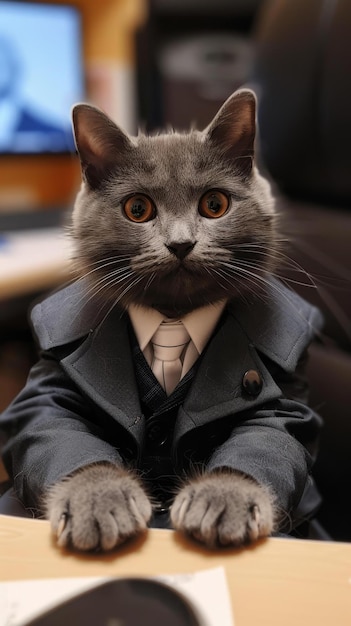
98 508
223 509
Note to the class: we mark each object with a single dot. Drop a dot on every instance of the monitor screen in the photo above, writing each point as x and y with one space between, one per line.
41 76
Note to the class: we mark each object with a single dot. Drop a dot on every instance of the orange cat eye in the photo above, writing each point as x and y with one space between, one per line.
139 208
213 204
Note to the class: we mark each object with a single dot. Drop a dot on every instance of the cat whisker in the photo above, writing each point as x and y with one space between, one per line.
117 258
99 288
101 264
289 263
270 254
101 267
253 265
85 266
129 287
262 280
224 274
150 280
118 299
110 308
113 279
323 260
235 271
220 274
104 281
325 295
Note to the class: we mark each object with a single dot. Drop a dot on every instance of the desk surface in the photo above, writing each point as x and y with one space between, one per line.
277 582
33 260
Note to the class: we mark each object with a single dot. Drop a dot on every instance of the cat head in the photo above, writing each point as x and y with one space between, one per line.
172 221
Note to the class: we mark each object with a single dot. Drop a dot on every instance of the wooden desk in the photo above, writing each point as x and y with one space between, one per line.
277 583
33 260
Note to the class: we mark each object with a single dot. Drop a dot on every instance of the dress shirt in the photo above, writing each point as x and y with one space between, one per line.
200 325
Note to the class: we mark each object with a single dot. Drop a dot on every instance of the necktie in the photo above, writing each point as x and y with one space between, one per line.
168 342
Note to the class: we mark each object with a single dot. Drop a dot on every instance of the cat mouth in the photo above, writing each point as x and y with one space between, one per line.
183 276
179 291
180 267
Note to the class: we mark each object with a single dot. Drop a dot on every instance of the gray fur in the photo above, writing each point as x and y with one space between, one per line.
174 170
101 506
224 509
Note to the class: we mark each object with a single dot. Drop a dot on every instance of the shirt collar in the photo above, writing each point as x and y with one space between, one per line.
200 323
145 322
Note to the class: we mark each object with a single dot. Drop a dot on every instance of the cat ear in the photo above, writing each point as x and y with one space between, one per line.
233 129
102 146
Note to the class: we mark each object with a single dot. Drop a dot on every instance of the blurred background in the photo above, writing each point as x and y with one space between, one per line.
155 63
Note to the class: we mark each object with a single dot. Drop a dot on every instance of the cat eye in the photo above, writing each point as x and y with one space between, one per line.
213 204
139 208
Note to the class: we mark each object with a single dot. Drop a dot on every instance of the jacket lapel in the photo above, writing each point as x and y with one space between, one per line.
217 390
102 367
102 364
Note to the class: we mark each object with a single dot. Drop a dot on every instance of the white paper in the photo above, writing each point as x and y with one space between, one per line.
21 601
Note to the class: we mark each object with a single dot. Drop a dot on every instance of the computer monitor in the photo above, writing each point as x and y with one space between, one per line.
41 76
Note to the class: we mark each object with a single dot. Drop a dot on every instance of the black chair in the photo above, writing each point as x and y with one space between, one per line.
302 77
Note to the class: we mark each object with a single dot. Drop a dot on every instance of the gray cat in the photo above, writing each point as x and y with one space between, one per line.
171 222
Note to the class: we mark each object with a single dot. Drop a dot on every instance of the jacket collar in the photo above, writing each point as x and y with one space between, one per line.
68 315
279 327
217 390
102 367
200 323
278 322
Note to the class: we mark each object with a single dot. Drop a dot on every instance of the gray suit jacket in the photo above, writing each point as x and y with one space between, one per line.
81 403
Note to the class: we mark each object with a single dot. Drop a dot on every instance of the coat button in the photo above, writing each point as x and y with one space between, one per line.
156 434
160 507
252 383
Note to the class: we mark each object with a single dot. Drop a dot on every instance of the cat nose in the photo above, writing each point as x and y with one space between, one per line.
181 249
